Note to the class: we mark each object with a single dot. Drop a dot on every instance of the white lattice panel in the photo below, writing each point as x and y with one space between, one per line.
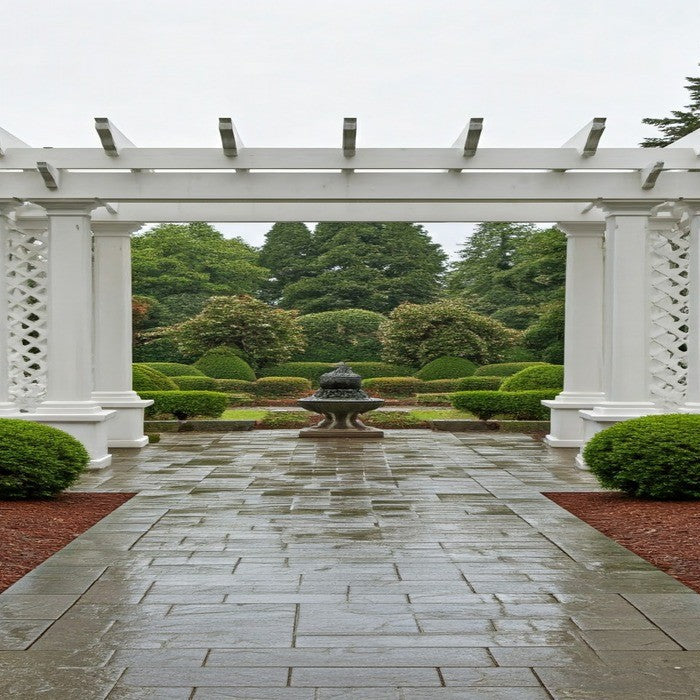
27 316
668 259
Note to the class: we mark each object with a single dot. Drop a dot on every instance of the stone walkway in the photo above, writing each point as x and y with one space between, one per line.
425 566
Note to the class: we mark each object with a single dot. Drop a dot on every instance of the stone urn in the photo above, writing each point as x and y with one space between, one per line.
340 401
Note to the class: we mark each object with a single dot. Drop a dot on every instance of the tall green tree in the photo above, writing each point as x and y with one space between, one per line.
287 253
374 266
182 265
681 122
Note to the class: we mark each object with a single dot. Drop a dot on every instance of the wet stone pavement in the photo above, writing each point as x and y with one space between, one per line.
424 566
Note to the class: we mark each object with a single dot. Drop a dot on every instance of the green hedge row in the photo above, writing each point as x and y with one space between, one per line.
446 368
392 387
503 369
314 370
174 369
536 377
521 405
186 404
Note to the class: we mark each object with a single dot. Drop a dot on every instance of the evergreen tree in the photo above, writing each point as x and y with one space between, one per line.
681 122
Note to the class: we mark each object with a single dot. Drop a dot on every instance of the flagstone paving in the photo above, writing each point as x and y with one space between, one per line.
424 566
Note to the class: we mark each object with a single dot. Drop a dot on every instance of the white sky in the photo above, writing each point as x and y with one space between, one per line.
288 71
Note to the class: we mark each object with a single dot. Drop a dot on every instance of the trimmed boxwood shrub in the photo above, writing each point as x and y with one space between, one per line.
536 377
237 386
145 378
392 387
373 370
282 387
186 404
196 383
434 399
37 461
503 369
652 457
476 383
240 399
521 405
175 369
446 368
309 370
225 363
438 386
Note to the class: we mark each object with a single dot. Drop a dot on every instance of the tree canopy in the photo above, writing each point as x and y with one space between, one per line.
681 122
373 266
182 265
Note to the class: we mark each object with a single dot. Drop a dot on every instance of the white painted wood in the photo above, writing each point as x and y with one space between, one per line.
691 140
113 140
468 140
693 393
8 140
650 174
349 136
49 174
587 139
7 407
357 187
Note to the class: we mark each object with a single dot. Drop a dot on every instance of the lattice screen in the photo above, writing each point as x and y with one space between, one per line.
27 316
668 260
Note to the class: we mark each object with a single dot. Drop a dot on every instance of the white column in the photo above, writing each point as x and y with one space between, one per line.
69 404
112 283
692 404
626 321
583 333
7 407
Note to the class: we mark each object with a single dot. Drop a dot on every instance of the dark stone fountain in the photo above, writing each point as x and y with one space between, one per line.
341 401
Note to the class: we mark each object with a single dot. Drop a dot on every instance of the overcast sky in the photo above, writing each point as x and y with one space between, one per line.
288 71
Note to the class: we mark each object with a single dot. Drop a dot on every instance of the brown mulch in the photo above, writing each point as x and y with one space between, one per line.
665 533
31 531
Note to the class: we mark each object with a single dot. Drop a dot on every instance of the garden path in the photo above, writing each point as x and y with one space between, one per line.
424 566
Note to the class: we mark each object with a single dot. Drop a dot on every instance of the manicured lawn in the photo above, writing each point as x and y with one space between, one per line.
244 414
440 414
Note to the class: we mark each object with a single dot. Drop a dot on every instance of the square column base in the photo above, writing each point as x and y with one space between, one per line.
605 416
126 428
89 429
566 425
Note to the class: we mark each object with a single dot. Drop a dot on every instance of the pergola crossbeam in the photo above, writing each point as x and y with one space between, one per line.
49 174
587 139
349 136
650 174
8 140
111 138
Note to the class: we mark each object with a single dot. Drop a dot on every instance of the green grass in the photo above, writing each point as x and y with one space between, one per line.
244 414
440 414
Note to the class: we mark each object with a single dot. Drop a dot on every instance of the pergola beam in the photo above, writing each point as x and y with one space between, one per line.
650 174
230 139
586 140
468 140
363 186
49 174
691 140
349 136
111 138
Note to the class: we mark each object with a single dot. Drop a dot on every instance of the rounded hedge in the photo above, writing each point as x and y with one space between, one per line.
283 387
392 387
521 405
233 385
196 383
186 404
653 457
145 378
373 370
37 461
446 368
175 369
346 335
434 399
476 383
225 363
309 370
536 377
503 369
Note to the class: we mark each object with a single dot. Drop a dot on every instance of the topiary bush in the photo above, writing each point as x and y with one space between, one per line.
145 378
186 404
521 405
503 369
536 377
392 387
652 457
225 363
37 461
282 387
198 383
438 386
347 334
434 399
309 370
236 386
477 383
175 369
446 367
240 399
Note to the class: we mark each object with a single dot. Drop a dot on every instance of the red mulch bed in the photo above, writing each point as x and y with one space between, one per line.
665 533
31 531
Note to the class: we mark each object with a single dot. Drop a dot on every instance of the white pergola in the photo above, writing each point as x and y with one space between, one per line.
631 216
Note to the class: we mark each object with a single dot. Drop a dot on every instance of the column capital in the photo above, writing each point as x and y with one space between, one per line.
626 208
579 229
114 228
76 207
